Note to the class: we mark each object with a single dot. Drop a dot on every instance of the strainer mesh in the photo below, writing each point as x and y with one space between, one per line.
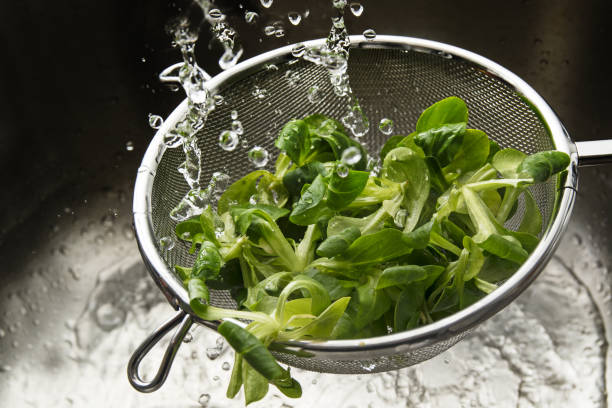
391 83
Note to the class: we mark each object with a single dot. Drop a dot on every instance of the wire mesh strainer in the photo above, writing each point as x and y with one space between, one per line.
392 76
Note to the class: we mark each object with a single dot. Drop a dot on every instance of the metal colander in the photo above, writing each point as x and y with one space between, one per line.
396 77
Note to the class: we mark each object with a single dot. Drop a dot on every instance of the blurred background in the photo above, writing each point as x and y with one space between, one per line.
77 81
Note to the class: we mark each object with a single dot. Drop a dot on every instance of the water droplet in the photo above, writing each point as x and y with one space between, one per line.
259 93
173 139
280 32
220 182
251 17
356 9
237 127
212 353
314 381
258 156
293 78
339 4
228 140
400 218
2 333
298 50
351 156
155 121
166 243
266 3
109 317
226 366
369 34
216 378
342 170
234 115
386 126
74 273
215 14
129 146
269 30
356 121
271 67
294 17
107 221
218 99
204 400
314 94
188 338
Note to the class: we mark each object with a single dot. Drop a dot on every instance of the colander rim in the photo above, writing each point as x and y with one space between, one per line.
432 333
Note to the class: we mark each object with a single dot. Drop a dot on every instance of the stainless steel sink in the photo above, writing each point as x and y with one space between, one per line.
76 299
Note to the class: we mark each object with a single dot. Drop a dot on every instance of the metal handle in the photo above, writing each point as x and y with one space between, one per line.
594 152
169 74
184 321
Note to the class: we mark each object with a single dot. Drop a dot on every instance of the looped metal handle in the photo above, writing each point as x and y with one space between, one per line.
170 74
184 321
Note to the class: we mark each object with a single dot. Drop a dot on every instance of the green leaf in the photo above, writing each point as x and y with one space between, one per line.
542 165
408 307
370 303
443 143
436 177
322 326
240 191
337 244
448 110
532 219
254 353
236 378
496 269
472 154
475 260
336 288
505 248
378 247
400 275
189 229
408 141
318 294
208 262
390 144
197 289
404 165
294 140
312 205
295 180
507 161
255 384
419 238
343 190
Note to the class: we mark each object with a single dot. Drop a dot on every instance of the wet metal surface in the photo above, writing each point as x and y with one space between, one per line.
75 299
